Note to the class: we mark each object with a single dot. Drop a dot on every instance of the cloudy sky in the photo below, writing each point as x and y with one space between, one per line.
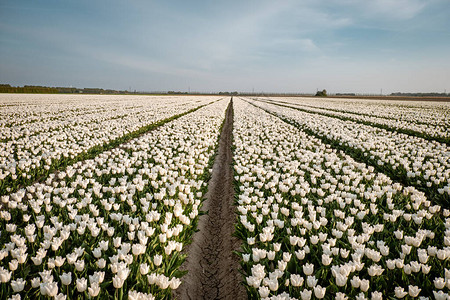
280 46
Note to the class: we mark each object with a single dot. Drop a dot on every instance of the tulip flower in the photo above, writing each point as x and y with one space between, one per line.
413 291
18 285
66 278
319 292
81 284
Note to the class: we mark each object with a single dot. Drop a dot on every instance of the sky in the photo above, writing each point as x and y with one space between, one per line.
300 46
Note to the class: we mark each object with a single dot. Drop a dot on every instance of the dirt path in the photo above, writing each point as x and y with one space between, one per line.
212 266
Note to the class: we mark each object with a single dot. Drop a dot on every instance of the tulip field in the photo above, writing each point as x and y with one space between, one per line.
114 225
315 223
408 158
39 134
333 198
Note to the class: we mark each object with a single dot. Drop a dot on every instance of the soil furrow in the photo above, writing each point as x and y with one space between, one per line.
213 268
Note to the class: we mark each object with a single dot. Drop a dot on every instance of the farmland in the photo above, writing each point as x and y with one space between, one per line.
292 198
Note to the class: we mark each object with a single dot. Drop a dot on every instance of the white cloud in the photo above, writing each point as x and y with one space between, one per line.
242 44
306 45
398 9
384 9
301 44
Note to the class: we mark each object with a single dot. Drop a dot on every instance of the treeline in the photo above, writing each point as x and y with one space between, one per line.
36 89
32 89
421 94
229 93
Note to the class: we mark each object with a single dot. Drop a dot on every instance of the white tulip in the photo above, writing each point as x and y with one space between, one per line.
413 291
81 284
308 269
66 278
18 285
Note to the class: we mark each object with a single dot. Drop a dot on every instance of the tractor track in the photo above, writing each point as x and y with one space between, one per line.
213 268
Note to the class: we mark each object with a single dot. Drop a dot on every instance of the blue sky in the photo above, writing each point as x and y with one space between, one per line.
279 46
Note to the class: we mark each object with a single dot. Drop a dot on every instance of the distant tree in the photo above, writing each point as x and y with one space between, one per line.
322 93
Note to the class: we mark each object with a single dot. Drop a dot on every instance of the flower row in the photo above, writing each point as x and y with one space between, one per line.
28 145
425 130
428 113
42 148
421 163
114 225
317 224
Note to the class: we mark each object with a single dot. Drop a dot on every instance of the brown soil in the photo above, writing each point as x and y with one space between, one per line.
213 268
